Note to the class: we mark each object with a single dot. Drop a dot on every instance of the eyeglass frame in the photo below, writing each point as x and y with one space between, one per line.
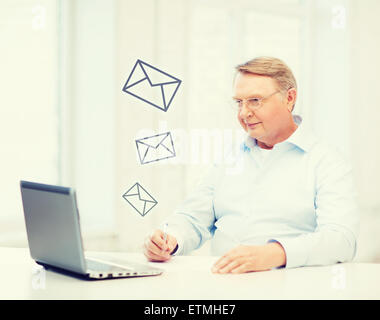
260 102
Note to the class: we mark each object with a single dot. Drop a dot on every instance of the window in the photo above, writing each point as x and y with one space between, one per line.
29 123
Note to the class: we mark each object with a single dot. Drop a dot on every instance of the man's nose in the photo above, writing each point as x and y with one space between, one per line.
245 112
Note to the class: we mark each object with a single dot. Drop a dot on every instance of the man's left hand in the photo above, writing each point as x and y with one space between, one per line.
251 258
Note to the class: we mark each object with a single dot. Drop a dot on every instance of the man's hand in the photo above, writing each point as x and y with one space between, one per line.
156 248
251 258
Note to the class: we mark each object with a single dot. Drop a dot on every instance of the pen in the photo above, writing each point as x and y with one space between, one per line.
165 233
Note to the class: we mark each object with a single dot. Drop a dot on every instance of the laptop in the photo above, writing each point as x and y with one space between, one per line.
54 236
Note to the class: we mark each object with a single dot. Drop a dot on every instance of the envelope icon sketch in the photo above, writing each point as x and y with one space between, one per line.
155 148
152 85
139 199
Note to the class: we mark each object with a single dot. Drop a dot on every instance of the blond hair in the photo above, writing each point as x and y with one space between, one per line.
273 68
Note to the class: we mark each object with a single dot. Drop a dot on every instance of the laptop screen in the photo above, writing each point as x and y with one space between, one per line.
52 225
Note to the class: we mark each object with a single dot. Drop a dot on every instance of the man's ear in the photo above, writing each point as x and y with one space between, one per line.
291 99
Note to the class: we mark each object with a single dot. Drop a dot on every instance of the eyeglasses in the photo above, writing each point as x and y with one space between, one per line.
252 103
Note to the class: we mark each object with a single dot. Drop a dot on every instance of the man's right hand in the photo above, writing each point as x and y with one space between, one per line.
156 248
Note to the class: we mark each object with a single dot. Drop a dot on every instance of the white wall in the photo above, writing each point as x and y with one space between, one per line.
365 97
330 104
365 132
88 108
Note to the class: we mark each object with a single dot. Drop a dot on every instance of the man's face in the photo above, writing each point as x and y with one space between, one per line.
272 120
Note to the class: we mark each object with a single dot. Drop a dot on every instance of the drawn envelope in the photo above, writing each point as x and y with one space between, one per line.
155 148
139 199
152 85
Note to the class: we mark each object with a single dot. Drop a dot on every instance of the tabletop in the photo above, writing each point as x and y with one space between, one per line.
186 278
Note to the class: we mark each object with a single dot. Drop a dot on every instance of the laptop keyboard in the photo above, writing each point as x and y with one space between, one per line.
102 267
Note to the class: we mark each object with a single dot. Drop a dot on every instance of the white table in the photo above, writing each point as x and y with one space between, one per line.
189 277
